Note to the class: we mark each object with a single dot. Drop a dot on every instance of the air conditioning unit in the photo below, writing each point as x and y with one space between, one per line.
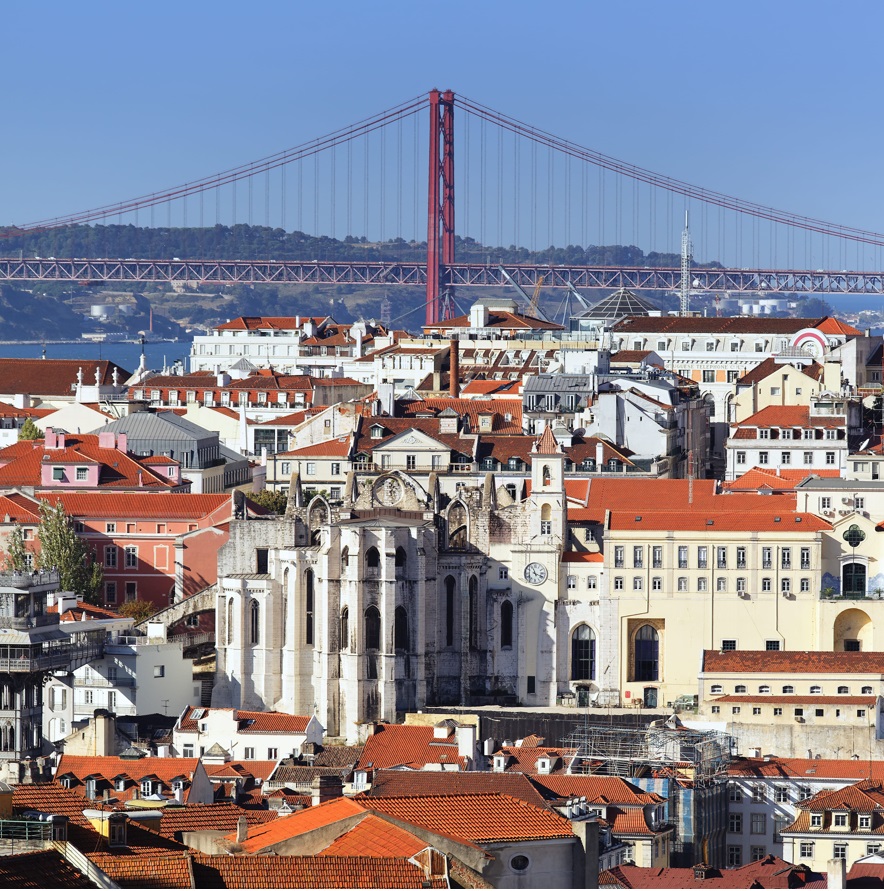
847 500
844 513
828 513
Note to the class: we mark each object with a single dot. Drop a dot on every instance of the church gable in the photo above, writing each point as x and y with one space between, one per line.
413 441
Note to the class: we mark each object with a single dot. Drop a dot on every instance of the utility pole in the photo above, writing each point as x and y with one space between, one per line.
686 250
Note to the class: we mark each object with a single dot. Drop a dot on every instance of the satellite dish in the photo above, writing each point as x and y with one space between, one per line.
864 444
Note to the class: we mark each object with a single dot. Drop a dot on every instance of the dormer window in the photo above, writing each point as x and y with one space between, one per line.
120 784
764 433
864 821
499 763
839 820
377 431
91 787
816 820
147 787
544 765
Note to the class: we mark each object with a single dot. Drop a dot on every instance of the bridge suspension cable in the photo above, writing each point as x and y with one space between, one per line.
670 184
235 174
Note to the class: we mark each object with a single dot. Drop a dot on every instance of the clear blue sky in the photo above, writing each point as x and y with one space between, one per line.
776 102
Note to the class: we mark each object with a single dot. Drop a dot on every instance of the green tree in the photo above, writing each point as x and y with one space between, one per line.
137 609
16 552
275 501
63 550
29 430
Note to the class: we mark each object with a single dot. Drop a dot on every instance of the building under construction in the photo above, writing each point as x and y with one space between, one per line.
686 767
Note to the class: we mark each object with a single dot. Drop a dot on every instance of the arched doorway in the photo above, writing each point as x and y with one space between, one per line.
852 631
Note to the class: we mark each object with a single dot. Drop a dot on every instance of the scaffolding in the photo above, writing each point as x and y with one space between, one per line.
663 749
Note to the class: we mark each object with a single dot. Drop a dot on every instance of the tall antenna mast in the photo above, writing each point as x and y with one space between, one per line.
686 250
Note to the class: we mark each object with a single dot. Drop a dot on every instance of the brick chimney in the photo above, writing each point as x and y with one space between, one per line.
325 788
454 372
242 829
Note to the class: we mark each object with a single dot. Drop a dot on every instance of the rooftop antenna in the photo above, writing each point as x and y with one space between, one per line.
686 250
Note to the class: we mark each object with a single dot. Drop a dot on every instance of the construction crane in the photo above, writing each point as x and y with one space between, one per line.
531 302
532 306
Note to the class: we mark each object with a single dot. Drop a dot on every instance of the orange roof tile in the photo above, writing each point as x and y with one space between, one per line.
790 416
222 871
263 838
823 768
399 745
331 448
547 444
40 869
477 818
792 662
153 870
596 788
375 837
785 481
775 519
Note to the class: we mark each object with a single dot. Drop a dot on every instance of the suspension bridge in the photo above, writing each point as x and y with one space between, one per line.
391 176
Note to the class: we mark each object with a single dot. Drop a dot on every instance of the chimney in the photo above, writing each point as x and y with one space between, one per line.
325 788
242 829
836 873
122 442
454 370
466 740
49 438
599 455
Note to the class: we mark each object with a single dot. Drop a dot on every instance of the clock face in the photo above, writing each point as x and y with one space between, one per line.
535 573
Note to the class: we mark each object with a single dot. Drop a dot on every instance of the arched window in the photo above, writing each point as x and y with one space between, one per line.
457 527
647 654
372 629
285 607
816 689
583 654
345 557
474 611
866 690
715 689
843 690
345 629
764 688
546 520
450 585
547 477
255 621
788 689
372 558
230 621
400 558
740 688
309 603
400 628
506 624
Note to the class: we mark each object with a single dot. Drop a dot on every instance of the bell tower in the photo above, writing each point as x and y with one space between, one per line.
549 515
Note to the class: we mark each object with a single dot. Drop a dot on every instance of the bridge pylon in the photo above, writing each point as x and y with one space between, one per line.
440 207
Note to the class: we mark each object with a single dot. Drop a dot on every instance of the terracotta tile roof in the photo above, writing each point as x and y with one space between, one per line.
23 462
498 319
547 444
523 759
161 505
831 325
49 798
784 481
249 722
292 420
374 836
866 795
724 519
792 662
481 819
411 783
328 448
54 377
797 699
790 416
257 770
484 387
597 789
263 838
275 323
222 816
797 768
110 766
40 869
399 745
630 357
583 556
770 365
628 822
770 872
472 408
154 870
221 871
337 756
365 444
714 325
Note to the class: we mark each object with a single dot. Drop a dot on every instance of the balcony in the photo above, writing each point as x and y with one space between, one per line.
104 683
